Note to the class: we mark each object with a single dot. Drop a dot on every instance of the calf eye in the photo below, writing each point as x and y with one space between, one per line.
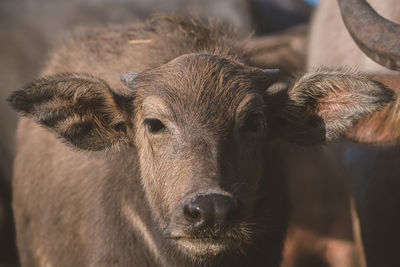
155 126
253 122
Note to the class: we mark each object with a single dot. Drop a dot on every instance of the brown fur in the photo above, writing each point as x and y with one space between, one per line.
216 123
383 126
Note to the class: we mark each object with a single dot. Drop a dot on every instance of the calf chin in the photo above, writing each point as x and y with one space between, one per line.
210 241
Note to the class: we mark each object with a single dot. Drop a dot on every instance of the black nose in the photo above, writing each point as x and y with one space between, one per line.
208 210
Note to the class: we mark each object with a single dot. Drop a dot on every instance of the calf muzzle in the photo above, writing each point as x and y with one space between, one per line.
211 210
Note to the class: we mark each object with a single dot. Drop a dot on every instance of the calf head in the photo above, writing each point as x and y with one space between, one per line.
202 127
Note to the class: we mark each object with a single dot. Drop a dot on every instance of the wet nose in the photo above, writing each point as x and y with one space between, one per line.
209 210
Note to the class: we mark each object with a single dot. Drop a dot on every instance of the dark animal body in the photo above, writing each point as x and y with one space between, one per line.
182 169
372 170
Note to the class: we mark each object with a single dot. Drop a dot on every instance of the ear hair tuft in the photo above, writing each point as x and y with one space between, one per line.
128 78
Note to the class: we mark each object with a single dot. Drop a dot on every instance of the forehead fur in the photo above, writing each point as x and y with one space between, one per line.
202 85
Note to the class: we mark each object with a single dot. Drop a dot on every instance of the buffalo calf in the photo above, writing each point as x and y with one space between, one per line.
180 168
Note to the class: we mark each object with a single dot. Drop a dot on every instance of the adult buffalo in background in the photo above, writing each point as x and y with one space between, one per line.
370 43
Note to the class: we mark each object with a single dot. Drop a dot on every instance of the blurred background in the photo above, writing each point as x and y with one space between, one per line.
29 28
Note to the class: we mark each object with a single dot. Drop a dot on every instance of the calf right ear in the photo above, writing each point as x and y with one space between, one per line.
79 108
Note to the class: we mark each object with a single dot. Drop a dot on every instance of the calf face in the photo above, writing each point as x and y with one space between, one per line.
200 134
202 126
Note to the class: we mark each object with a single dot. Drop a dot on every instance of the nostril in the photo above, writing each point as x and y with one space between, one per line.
211 209
199 211
192 213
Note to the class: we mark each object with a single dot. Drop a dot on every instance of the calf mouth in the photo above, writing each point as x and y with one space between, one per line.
212 241
202 247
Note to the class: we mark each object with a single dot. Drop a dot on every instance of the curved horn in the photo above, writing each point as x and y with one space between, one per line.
376 36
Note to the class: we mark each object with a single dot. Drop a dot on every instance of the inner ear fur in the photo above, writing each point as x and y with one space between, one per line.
382 126
322 106
79 108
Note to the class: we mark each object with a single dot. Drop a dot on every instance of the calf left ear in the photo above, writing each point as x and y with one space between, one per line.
322 106
383 126
79 108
